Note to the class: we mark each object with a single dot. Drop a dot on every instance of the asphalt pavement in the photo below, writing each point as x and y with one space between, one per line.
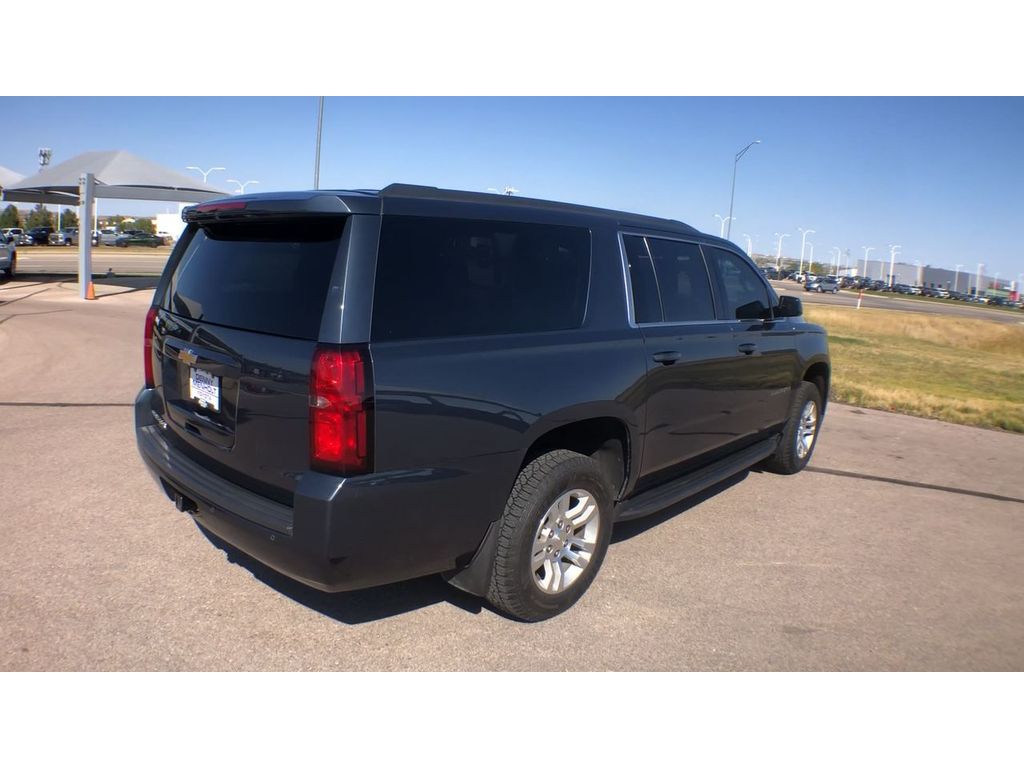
56 260
872 300
900 548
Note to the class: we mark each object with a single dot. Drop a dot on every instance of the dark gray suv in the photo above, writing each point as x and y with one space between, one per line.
360 387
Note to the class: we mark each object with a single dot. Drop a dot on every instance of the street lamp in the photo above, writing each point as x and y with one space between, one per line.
837 253
956 280
920 281
867 249
977 280
45 153
727 218
778 255
205 173
732 195
241 185
893 250
750 246
803 241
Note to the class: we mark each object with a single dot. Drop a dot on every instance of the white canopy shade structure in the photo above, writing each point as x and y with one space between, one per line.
118 174
114 174
9 177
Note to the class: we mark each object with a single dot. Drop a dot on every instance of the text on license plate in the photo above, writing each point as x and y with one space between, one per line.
204 387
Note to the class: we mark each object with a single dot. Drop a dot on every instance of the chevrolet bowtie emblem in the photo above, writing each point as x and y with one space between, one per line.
187 356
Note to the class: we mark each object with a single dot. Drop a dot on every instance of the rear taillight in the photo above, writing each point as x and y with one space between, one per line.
147 347
340 391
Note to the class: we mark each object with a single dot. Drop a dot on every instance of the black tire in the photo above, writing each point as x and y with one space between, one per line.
787 459
513 587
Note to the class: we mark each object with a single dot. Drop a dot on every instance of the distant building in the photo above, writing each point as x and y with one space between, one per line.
171 223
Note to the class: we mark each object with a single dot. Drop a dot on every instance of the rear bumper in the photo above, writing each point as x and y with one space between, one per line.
340 534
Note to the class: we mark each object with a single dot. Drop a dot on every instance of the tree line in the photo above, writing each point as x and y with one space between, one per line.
40 216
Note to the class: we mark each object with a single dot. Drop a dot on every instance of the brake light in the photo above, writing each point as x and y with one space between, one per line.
340 389
147 347
211 207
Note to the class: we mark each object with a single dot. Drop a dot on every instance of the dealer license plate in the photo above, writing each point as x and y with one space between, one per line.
204 388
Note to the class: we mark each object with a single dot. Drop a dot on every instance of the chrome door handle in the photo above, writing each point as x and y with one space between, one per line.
667 358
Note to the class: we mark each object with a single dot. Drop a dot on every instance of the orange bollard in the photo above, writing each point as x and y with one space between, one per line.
90 292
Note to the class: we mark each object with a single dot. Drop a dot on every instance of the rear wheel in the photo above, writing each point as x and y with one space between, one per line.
553 536
800 434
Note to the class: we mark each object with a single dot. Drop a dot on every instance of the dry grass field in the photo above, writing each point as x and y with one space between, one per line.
964 371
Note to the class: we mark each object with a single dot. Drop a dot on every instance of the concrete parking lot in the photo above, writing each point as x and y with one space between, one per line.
901 548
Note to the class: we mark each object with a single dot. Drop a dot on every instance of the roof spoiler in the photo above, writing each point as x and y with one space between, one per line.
262 206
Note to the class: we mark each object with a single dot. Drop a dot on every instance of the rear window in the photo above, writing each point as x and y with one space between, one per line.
265 276
460 277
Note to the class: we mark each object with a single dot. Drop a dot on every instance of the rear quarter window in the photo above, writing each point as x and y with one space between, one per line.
265 276
439 277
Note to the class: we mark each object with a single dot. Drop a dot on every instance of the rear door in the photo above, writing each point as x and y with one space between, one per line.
234 343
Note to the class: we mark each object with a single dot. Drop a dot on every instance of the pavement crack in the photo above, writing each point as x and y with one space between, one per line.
6 302
64 405
914 484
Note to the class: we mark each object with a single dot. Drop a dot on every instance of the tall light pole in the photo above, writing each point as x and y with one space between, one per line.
803 241
893 250
45 153
750 246
319 131
920 281
977 281
867 249
732 195
837 253
778 255
206 172
727 218
956 280
241 185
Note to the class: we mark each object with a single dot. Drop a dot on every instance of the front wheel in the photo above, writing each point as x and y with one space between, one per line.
553 536
800 434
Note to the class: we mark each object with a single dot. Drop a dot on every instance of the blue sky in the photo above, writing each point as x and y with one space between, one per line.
943 177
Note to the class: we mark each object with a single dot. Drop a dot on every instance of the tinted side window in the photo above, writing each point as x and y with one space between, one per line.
266 276
745 296
460 277
683 280
643 283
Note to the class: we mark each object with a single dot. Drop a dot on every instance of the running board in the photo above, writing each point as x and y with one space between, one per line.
665 496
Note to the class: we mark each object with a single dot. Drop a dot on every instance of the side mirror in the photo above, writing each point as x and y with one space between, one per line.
789 306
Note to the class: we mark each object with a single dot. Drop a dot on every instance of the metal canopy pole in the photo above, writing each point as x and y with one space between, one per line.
86 189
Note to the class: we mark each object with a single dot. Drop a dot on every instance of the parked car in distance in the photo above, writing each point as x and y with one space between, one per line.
362 387
66 236
40 235
13 232
822 285
138 238
8 255
109 235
